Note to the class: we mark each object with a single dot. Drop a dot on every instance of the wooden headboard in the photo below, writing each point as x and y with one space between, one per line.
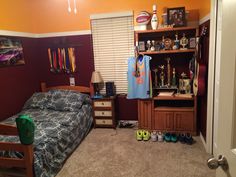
82 89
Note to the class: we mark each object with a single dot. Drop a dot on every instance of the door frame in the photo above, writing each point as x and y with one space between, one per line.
211 78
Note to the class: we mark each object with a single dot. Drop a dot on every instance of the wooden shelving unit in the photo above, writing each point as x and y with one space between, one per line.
168 52
176 113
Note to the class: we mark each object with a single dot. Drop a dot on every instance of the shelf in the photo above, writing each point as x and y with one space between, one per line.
168 52
174 109
172 98
166 30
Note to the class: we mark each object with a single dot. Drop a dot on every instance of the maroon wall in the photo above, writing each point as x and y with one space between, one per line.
84 59
19 82
202 100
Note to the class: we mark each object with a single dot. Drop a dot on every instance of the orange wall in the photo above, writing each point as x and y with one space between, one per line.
40 16
16 15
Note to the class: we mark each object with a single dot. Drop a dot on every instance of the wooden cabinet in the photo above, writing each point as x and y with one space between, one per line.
168 113
104 112
171 114
145 113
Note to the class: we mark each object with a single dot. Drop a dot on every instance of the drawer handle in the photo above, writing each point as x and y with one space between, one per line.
102 113
104 121
102 103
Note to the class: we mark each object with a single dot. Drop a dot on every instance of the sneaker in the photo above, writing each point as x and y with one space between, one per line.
154 136
173 137
188 139
167 137
146 135
182 138
139 135
160 137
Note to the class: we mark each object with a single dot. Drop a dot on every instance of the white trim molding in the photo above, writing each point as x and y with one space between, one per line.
111 15
204 19
43 35
16 33
67 33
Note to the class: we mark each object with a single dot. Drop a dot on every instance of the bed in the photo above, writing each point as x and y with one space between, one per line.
62 116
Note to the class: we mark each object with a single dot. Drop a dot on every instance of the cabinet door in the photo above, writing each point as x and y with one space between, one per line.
145 114
163 120
184 121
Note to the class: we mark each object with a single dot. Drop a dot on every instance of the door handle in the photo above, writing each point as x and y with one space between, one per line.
214 163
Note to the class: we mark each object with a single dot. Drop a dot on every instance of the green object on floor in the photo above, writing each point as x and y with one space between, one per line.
26 127
139 135
146 135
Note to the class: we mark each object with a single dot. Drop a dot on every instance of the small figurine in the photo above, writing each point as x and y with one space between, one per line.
153 46
149 45
176 43
183 42
163 43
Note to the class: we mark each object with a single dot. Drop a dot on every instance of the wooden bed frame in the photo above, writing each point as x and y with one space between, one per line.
27 161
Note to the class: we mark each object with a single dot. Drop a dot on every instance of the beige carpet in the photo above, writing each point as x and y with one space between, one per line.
116 153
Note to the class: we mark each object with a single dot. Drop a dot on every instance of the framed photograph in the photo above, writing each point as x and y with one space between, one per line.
176 16
11 52
141 45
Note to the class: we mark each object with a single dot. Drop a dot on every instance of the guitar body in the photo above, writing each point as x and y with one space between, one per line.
199 82
199 88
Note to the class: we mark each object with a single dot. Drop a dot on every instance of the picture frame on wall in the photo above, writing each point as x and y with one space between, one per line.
176 16
11 52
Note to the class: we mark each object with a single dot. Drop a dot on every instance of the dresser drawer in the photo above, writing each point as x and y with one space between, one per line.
103 121
102 104
103 113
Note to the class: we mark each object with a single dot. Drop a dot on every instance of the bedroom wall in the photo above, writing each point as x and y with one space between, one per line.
18 83
52 16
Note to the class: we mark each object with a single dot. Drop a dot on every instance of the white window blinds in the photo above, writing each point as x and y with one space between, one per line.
113 43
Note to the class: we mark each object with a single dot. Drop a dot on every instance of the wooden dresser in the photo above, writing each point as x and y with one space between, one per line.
104 112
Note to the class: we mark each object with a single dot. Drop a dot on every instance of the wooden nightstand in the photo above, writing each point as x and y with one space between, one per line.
104 112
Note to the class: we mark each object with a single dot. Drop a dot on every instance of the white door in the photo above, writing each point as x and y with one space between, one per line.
224 134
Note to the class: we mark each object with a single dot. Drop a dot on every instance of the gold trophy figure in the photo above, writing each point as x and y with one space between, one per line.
162 75
168 72
155 76
183 42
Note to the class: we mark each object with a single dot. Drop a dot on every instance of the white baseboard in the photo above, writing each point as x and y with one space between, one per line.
203 141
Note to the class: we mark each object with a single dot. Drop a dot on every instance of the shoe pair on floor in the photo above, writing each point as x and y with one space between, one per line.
171 137
157 136
186 138
142 135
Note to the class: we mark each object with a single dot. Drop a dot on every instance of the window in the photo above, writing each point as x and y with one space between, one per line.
113 44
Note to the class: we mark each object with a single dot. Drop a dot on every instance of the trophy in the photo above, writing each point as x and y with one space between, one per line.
155 76
183 42
176 43
163 43
149 45
153 46
168 72
173 78
162 75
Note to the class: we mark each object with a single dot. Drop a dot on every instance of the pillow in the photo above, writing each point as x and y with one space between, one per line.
67 100
37 100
